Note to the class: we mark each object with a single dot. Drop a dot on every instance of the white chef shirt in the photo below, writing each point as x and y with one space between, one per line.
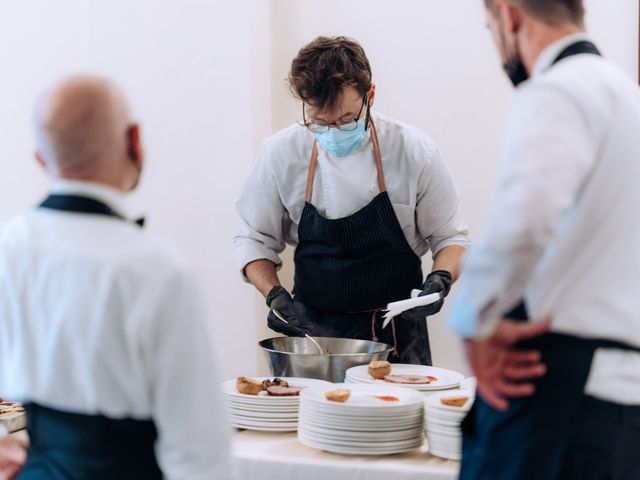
97 317
419 184
563 231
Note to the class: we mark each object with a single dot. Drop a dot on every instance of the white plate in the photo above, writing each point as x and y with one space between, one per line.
378 423
362 401
470 383
229 389
264 429
259 414
440 423
445 378
264 404
355 450
375 437
445 454
447 431
266 421
453 446
417 439
433 405
264 408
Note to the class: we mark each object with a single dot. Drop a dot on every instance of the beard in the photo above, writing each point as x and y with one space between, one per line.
513 65
515 70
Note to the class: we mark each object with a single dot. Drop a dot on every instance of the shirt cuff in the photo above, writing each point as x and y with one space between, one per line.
249 253
467 322
458 240
3 431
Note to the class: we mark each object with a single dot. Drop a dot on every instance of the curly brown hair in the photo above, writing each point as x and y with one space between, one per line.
324 67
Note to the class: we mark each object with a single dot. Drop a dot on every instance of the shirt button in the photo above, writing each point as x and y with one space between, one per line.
373 188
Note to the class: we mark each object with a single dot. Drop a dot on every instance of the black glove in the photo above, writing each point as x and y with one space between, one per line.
279 299
437 282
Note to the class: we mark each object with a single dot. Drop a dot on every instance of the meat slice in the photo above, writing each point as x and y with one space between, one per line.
281 391
410 379
276 382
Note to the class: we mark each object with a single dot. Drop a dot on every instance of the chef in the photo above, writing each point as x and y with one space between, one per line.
361 197
562 243
102 331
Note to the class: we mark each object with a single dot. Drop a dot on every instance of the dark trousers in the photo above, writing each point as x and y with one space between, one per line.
69 446
559 432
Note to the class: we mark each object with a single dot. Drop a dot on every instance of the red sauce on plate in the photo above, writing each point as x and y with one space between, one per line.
385 398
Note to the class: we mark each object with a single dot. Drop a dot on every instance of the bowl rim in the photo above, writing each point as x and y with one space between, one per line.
389 349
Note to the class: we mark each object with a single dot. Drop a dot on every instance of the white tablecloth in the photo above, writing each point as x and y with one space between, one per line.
270 456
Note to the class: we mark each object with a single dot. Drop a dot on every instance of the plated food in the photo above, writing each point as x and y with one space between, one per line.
379 369
455 401
418 377
340 395
379 419
10 408
411 379
276 387
444 412
273 409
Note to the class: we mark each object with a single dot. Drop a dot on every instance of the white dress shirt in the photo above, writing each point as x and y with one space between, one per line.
563 231
98 318
418 181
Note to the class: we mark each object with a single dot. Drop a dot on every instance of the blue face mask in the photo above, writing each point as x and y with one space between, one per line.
341 144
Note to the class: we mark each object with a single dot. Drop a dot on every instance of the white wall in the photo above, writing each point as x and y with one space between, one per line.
207 81
435 67
188 68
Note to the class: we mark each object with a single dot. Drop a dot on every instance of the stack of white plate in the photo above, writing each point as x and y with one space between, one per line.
264 412
470 383
443 423
445 379
375 420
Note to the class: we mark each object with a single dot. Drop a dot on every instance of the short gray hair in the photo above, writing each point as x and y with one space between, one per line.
549 11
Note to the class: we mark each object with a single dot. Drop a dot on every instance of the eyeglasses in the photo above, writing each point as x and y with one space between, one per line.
343 126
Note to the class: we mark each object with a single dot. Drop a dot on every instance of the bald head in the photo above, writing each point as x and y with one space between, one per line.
83 131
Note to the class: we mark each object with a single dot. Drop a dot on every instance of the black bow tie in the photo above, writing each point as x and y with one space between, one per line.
140 221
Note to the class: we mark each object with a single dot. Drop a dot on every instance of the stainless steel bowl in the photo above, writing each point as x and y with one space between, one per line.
299 357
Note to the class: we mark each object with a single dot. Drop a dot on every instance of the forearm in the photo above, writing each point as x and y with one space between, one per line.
449 259
262 275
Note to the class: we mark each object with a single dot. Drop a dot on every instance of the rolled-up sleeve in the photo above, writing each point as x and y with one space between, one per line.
188 411
548 154
262 216
438 215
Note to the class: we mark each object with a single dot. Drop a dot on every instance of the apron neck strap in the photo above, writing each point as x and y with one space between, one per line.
376 153
312 171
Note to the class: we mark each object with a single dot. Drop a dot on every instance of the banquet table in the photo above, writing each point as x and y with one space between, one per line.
280 456
270 456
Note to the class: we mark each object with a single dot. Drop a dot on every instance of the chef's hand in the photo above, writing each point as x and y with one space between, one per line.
279 299
13 454
503 371
436 282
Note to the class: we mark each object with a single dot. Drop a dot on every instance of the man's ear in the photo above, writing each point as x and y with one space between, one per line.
41 162
371 94
134 146
510 15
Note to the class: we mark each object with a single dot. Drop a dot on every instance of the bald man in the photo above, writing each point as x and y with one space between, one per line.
103 333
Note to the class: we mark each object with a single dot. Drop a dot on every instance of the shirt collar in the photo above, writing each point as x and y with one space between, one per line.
98 191
549 54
